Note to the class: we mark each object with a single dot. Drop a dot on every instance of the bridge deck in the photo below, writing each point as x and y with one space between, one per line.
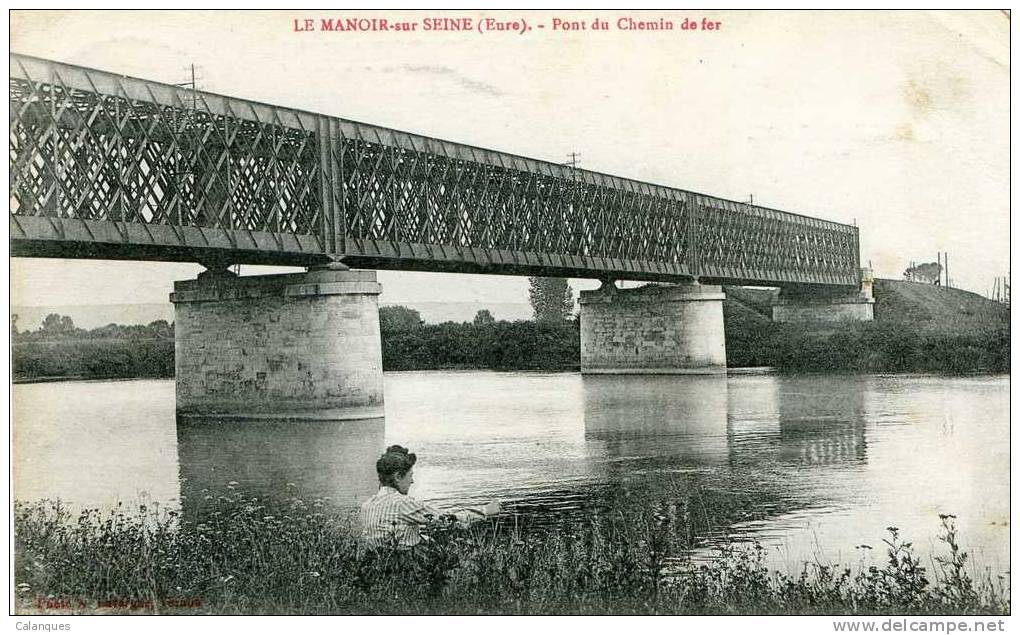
107 166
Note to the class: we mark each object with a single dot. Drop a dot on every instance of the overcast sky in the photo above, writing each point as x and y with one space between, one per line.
899 121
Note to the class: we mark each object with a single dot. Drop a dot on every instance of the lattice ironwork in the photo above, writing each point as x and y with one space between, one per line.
135 161
109 166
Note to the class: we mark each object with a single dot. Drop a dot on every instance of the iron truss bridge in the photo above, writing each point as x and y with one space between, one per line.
112 167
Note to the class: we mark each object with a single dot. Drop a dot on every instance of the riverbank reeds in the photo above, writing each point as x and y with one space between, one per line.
244 556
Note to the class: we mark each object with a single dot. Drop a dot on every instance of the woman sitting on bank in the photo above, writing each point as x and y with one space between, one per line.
391 517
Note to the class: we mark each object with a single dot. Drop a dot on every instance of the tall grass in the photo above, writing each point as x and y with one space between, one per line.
244 556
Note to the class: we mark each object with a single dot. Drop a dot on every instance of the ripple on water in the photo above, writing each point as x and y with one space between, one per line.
813 463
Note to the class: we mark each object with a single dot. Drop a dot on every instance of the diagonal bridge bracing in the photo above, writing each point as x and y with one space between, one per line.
107 166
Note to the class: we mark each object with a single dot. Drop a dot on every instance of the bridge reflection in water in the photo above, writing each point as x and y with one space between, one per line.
822 431
744 449
731 451
664 422
807 421
812 463
276 460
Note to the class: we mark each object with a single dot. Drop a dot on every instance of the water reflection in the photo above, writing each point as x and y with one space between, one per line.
657 442
798 436
277 459
94 445
737 451
666 422
798 421
822 420
813 462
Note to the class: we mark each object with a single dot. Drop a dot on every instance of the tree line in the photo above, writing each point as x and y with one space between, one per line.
549 342
61 327
408 343
59 349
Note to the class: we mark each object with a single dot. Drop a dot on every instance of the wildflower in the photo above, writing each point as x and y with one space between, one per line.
313 574
226 579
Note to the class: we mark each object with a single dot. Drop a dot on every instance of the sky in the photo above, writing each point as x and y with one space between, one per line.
898 121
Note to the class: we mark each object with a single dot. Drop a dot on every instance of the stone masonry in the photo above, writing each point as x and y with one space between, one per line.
304 345
827 307
656 329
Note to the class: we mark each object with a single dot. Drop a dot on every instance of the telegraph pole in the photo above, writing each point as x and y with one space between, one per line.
192 85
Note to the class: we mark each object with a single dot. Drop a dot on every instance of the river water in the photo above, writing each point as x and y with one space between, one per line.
809 466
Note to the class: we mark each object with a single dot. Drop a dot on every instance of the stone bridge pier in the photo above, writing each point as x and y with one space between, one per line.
655 329
302 345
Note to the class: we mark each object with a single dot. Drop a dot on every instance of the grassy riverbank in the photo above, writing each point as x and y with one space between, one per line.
243 557
918 328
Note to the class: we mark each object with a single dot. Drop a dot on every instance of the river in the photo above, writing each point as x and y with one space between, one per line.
809 466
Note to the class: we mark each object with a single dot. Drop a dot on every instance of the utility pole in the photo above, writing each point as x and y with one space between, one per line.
573 162
192 85
949 283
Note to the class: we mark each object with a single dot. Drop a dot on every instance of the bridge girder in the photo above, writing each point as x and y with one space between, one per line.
106 166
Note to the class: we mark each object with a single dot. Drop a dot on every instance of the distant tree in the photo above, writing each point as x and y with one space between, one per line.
54 324
161 328
14 324
552 299
399 318
928 272
484 317
51 323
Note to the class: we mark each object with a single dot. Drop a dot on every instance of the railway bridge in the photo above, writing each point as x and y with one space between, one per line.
112 167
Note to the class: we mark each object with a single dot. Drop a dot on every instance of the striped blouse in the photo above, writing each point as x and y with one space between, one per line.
395 519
